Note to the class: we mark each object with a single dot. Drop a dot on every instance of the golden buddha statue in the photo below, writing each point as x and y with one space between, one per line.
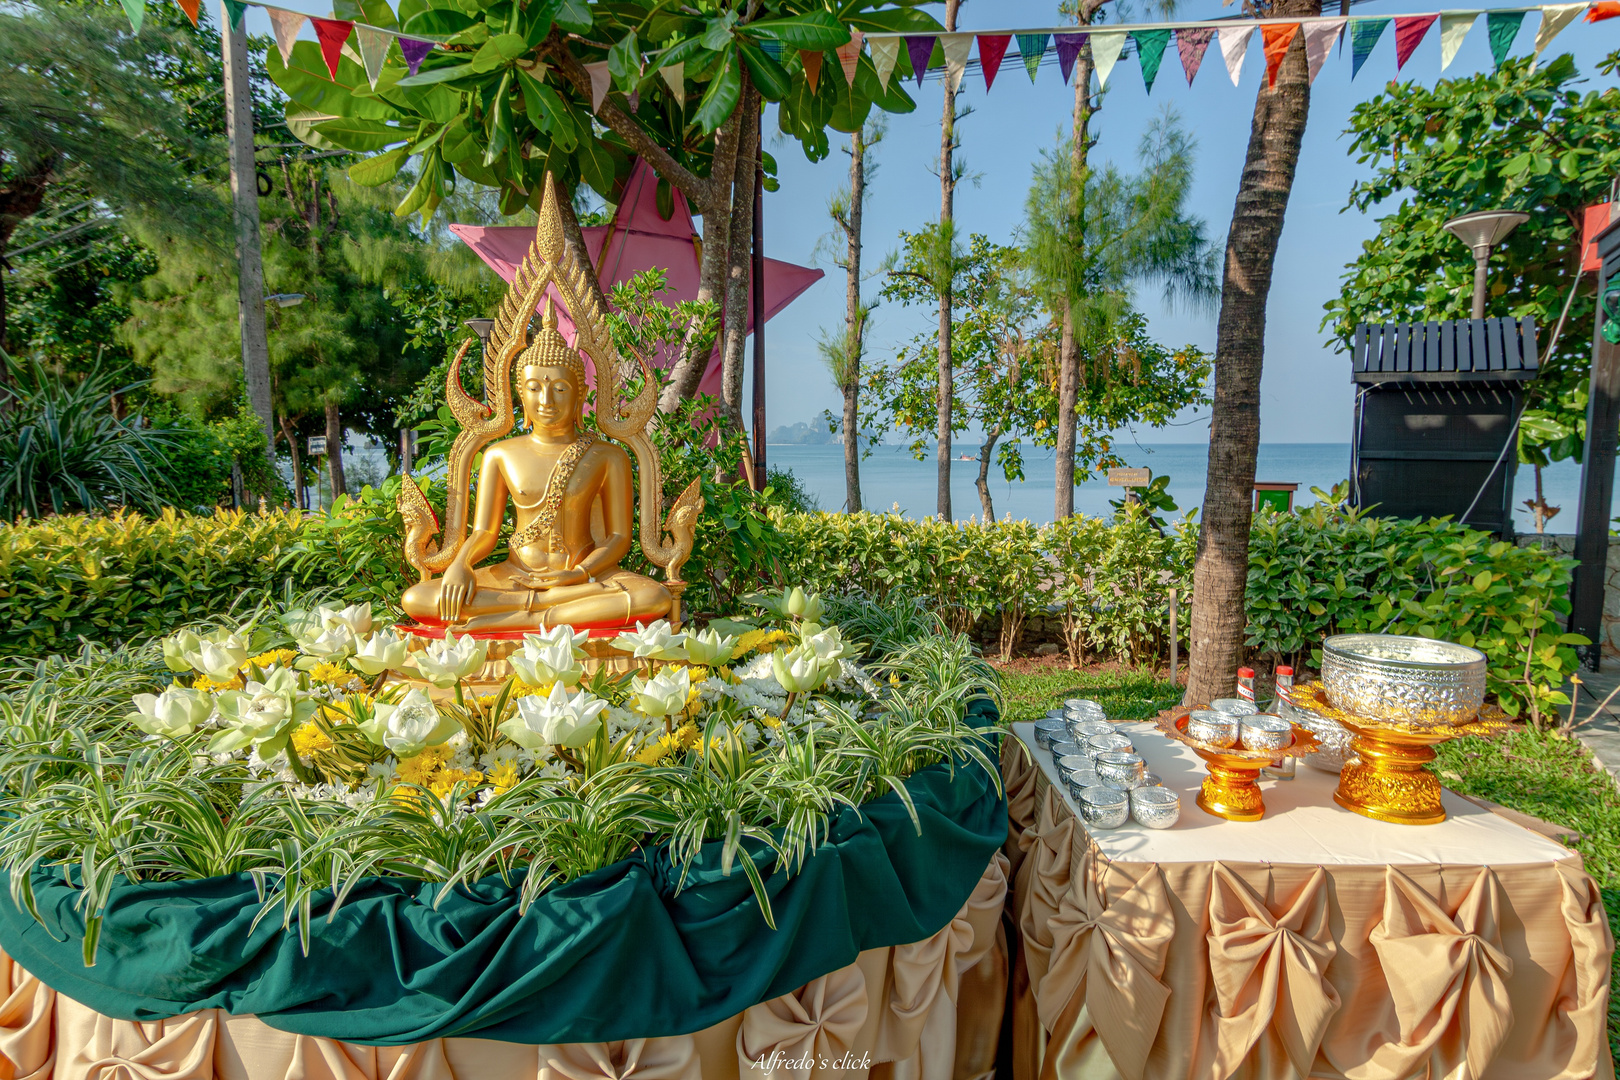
572 491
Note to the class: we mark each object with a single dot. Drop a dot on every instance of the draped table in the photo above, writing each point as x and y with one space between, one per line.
1315 942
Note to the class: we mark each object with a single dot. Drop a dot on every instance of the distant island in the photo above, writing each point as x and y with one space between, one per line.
802 434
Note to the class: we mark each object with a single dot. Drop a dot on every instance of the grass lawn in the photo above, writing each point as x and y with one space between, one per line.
1540 774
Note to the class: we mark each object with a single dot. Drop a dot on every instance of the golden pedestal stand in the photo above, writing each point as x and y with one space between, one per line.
1231 790
1389 780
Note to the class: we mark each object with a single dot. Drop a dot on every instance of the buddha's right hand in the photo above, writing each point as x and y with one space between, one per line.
456 588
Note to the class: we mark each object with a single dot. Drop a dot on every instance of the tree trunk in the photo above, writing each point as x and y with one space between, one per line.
853 319
947 193
739 262
19 200
576 238
1221 569
334 447
983 480
297 462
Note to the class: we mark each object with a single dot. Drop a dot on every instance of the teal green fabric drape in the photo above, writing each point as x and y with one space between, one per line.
614 955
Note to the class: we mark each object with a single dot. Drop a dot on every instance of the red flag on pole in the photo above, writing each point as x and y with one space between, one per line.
332 33
992 47
1409 30
1603 9
190 8
1277 38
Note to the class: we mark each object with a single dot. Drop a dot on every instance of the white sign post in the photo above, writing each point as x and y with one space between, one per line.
317 446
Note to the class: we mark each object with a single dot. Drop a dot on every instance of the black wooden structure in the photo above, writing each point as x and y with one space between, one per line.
1597 468
1437 408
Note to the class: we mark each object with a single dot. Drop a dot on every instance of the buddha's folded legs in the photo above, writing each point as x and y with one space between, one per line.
618 597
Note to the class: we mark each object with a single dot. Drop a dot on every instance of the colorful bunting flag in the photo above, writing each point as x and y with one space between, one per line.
1150 52
286 25
1553 19
1032 47
1454 27
1275 38
601 78
1234 43
1502 27
885 51
1068 47
919 47
235 9
675 78
849 55
1364 34
1603 9
332 33
136 10
955 47
812 67
1320 34
1191 42
190 8
414 52
1106 45
373 50
1409 31
992 47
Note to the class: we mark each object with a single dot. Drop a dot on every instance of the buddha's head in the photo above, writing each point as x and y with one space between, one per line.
551 380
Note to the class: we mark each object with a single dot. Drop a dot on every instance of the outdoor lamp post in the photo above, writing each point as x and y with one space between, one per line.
1482 231
285 299
481 327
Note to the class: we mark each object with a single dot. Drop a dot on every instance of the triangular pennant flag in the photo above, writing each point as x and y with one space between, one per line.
992 47
849 55
1150 52
1275 38
1502 27
1068 47
1553 19
675 77
1454 27
885 51
1032 47
136 10
1409 31
1603 9
373 50
1364 34
1320 34
286 25
1106 45
190 8
236 9
1191 42
955 47
919 47
812 67
331 33
414 52
1234 43
601 79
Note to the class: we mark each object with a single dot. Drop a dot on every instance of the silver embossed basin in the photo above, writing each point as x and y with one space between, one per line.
1412 681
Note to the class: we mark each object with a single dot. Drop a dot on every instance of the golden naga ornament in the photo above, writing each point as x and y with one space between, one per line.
572 491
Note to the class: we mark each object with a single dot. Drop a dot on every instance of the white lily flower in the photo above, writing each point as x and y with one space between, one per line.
799 669
664 694
219 656
357 617
541 661
175 712
412 725
562 634
264 714
335 643
444 662
379 653
708 648
559 719
656 640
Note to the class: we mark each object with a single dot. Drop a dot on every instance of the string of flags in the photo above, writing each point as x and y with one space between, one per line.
1150 40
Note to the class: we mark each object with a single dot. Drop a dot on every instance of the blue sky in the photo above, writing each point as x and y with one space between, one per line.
1306 393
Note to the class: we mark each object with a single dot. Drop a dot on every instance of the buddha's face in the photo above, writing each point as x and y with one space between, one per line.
551 397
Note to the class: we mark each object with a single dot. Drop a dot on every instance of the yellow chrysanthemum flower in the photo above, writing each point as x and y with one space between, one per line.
503 776
421 768
335 675
207 685
310 739
688 736
447 779
272 658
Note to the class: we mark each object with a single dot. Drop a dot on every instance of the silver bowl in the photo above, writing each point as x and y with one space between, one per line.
1265 732
1082 778
1121 770
1067 766
1414 681
1049 729
1104 807
1098 744
1155 807
1084 706
1213 728
1234 706
1152 779
1081 730
1065 747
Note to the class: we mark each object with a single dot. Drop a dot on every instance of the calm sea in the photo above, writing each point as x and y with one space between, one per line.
891 477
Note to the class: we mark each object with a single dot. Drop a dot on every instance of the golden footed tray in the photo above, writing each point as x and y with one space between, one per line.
1387 781
1231 790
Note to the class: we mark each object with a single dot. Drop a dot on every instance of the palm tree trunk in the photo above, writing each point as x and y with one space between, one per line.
852 326
982 482
1221 570
334 447
297 462
947 192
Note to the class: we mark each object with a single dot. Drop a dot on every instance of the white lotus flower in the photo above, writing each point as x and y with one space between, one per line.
335 643
656 640
559 719
378 653
709 648
176 647
664 694
806 606
412 725
444 662
563 634
357 617
827 644
541 662
263 714
800 670
175 712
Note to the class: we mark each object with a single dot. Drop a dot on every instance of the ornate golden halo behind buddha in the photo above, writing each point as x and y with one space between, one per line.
573 494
